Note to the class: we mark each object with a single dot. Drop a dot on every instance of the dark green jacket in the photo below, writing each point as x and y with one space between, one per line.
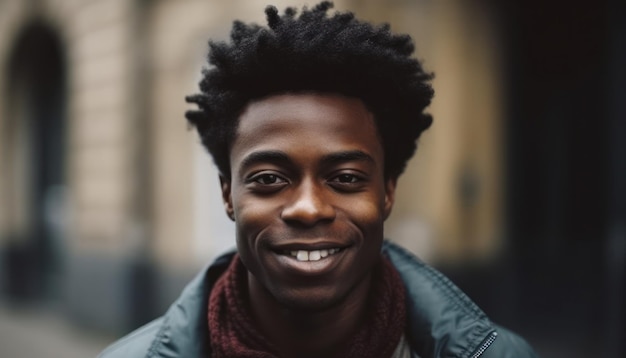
443 322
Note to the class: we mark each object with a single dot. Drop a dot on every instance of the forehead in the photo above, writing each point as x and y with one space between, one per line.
287 122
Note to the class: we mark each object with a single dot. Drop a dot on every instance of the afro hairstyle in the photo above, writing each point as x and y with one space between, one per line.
317 53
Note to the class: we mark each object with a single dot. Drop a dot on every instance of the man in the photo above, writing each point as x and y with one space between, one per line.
310 123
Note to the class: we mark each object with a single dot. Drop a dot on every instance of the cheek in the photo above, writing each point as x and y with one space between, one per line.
252 215
248 222
371 213
367 214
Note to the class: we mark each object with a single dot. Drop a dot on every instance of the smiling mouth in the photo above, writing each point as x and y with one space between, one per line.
313 255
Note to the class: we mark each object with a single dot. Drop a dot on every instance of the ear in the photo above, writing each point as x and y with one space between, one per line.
390 195
227 197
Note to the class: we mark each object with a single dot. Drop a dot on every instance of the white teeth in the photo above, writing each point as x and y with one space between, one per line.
315 255
302 255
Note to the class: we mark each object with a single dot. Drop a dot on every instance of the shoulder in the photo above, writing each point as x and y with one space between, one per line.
135 344
443 321
182 330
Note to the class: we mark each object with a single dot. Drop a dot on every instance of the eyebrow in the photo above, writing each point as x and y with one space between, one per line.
265 156
347 156
281 158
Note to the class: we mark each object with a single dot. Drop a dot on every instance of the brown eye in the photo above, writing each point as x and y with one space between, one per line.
268 179
347 178
348 182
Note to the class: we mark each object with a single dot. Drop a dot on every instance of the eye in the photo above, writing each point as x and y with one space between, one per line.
347 182
268 179
265 183
347 178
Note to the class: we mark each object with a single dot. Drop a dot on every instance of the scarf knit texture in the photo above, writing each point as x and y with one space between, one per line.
233 332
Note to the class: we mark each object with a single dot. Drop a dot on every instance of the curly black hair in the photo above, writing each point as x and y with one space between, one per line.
314 52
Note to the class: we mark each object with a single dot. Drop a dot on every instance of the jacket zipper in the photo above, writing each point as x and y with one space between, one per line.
486 343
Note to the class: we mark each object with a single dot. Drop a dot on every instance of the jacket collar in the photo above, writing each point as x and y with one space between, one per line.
442 321
184 332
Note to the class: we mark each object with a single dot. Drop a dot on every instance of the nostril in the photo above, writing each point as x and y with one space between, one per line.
308 205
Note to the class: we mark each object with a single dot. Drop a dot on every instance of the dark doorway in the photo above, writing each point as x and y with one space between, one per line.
563 171
36 140
561 283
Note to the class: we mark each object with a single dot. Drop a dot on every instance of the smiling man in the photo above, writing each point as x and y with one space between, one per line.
311 122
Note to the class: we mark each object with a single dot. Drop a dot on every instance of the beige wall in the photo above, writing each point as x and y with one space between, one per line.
101 117
96 36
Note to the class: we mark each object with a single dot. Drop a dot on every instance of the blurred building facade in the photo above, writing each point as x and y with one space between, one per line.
108 203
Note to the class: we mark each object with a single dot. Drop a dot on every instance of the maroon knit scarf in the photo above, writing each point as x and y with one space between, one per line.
233 333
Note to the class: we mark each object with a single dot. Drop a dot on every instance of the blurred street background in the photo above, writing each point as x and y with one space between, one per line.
109 205
41 332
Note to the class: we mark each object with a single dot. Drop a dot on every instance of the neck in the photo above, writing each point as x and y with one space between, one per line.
308 333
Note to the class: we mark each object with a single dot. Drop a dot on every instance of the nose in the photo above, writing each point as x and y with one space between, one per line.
308 205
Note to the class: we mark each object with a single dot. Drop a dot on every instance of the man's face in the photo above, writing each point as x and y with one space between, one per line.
308 197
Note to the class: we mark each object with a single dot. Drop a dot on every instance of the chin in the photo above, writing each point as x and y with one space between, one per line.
308 301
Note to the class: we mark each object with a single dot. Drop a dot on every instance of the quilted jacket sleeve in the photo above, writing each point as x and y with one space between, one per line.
136 344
